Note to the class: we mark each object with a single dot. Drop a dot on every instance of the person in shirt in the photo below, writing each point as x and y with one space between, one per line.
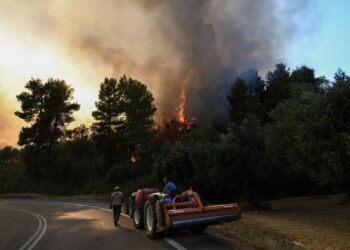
116 201
169 188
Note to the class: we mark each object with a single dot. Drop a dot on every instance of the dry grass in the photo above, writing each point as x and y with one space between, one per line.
300 223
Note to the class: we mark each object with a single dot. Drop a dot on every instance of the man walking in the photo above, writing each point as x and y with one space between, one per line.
117 199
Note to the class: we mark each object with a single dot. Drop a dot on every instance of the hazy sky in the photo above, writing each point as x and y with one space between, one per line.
159 43
326 46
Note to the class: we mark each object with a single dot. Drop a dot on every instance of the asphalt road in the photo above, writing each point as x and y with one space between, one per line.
36 224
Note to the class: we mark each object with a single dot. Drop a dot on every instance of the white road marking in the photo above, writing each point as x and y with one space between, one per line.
39 233
174 243
170 241
298 244
34 235
81 205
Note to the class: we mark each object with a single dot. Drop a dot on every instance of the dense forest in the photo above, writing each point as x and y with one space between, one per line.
287 135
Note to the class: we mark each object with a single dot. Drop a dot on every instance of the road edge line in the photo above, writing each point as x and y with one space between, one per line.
174 243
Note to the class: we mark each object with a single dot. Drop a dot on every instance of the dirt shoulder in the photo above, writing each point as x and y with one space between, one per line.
299 223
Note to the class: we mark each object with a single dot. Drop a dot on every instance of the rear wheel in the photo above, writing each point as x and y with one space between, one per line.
131 205
151 220
137 217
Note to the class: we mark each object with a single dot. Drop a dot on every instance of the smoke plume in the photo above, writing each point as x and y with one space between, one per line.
156 41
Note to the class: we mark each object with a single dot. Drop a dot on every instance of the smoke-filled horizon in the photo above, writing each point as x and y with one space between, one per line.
157 42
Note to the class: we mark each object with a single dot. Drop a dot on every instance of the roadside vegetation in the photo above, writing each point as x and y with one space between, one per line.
320 222
285 135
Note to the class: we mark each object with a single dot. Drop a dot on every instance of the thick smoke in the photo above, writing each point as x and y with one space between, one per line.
158 42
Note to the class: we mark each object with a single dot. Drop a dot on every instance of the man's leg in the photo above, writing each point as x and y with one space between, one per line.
113 209
118 209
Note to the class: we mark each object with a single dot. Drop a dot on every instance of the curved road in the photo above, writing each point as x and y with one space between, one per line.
37 224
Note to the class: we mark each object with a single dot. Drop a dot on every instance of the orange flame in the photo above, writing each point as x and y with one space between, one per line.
133 158
181 117
181 114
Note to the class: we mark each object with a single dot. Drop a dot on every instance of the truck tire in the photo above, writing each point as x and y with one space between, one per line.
137 217
159 205
198 228
131 206
150 217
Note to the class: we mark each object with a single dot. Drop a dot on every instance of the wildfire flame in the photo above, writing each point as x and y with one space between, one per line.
175 127
181 114
134 158
181 117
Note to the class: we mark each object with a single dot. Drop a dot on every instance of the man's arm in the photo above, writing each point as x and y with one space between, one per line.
110 201
123 197
165 190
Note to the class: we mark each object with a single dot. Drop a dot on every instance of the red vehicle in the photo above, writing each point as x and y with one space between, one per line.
157 212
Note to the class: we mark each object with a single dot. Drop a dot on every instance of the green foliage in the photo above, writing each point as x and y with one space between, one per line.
310 133
123 129
244 159
8 155
138 109
80 133
306 76
108 109
240 101
124 119
48 109
245 99
191 162
288 121
284 136
219 169
12 171
332 144
341 77
289 136
277 85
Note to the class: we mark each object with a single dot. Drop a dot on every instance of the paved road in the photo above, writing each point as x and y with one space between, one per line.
37 224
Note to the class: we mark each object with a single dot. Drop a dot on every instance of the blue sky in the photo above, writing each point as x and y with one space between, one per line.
324 43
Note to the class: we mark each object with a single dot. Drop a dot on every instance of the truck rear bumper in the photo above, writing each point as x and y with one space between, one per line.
210 220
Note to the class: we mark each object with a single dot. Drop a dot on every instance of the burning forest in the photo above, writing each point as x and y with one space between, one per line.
130 95
195 48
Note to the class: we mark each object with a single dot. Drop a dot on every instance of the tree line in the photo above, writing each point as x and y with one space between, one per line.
288 134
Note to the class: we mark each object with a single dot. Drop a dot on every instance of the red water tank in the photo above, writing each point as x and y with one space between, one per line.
142 194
